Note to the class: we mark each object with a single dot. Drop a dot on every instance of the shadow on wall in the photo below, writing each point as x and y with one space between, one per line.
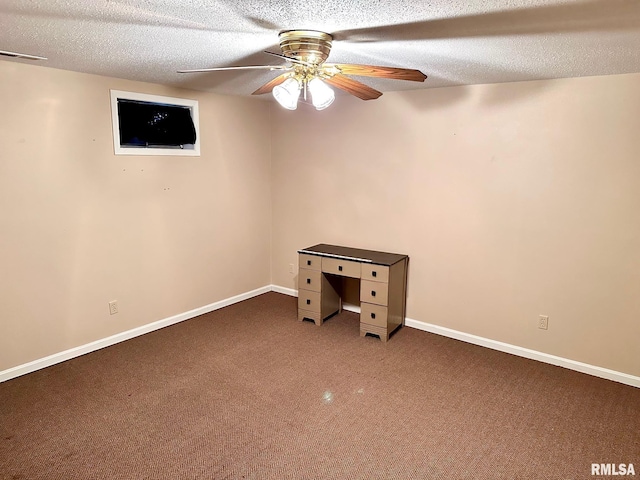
509 93
430 99
494 94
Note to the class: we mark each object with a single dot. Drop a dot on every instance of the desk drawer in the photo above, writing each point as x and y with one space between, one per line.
310 262
373 314
374 292
308 300
377 273
309 279
344 268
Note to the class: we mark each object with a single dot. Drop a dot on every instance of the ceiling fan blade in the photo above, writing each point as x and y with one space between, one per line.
267 87
248 67
4 53
380 72
290 59
353 87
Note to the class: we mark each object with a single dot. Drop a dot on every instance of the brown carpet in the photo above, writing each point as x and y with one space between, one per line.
250 392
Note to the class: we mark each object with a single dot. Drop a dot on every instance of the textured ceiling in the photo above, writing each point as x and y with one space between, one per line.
454 43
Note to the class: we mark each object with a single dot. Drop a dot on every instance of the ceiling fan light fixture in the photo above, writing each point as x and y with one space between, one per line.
321 94
287 93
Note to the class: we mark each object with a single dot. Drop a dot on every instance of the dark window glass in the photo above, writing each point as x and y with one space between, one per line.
147 124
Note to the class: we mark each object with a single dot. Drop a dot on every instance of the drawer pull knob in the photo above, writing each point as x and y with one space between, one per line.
373 315
308 262
308 302
308 280
374 274
373 293
339 268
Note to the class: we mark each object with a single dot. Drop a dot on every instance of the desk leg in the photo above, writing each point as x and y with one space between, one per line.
374 330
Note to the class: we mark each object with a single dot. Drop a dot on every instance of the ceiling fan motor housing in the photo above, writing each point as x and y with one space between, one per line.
308 46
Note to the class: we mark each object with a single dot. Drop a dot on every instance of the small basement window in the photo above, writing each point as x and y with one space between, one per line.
154 125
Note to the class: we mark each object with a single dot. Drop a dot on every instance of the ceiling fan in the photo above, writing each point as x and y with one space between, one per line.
25 56
307 73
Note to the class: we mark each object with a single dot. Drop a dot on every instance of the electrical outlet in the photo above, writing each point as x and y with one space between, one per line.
543 322
113 307
292 268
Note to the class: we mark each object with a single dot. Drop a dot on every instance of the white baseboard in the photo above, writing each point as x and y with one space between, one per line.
351 308
527 353
502 347
427 327
287 291
120 337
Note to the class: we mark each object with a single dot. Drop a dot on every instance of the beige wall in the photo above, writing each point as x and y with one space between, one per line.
511 200
80 226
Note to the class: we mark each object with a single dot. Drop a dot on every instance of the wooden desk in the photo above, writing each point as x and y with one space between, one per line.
383 286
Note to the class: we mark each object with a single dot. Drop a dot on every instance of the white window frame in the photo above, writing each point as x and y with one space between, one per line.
144 97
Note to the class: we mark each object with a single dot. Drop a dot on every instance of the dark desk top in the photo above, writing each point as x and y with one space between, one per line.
357 254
